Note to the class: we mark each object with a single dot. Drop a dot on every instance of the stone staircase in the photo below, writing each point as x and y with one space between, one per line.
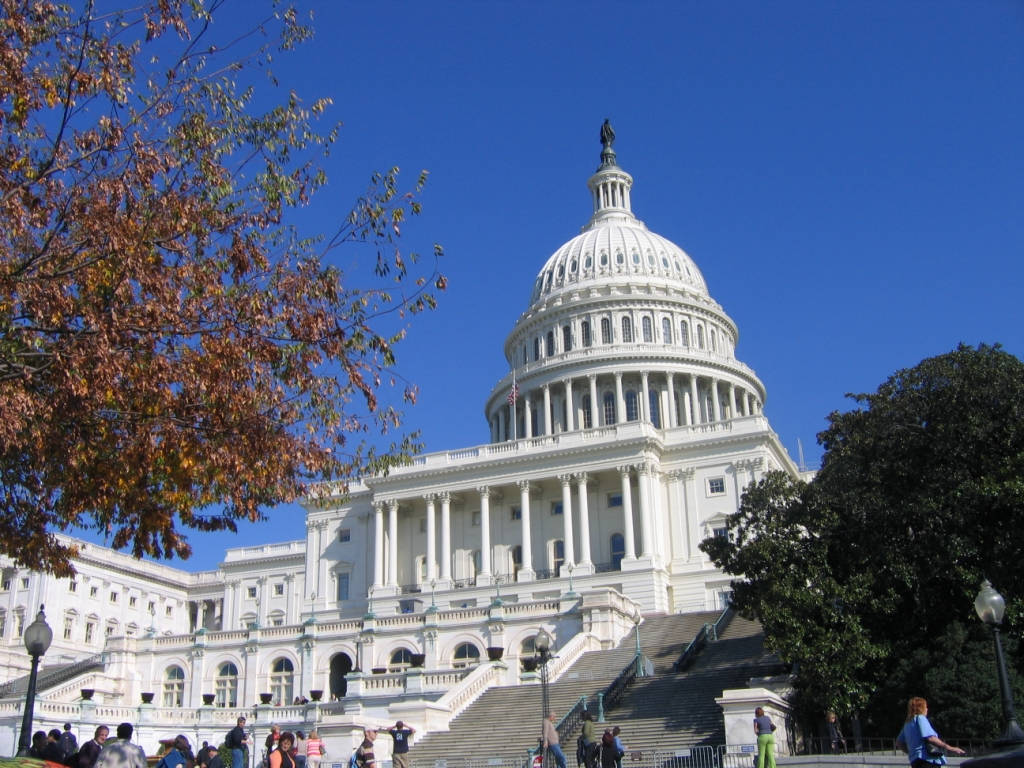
666 711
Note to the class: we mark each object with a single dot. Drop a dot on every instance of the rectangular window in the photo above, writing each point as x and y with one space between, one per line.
132 601
716 486
476 518
73 586
556 507
516 513
279 589
93 591
152 607
109 630
345 534
251 591
168 611
90 628
277 621
24 583
6 584
614 499
342 586
423 525
69 628
720 533
113 597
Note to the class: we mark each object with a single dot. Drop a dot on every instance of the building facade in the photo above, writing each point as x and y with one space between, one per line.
622 436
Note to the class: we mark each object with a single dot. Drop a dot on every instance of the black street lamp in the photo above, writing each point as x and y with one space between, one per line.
38 637
990 607
542 652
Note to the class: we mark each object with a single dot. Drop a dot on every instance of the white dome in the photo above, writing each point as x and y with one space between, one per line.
617 247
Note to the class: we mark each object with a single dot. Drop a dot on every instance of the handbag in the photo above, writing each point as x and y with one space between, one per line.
931 750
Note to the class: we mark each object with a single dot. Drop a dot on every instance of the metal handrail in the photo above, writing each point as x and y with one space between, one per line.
701 639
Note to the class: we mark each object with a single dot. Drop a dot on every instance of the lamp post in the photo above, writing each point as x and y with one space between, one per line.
38 637
542 650
990 607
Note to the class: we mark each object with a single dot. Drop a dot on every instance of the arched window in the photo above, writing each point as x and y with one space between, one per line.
618 548
536 349
609 408
632 412
174 687
684 333
550 346
517 556
557 555
341 665
566 338
606 331
588 421
401 660
648 329
666 331
585 333
466 655
226 685
282 682
528 647
627 330
714 341
700 336
655 408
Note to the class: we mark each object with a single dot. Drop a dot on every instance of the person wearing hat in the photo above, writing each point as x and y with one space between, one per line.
400 734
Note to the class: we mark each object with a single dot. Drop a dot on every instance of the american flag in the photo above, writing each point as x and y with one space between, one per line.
513 395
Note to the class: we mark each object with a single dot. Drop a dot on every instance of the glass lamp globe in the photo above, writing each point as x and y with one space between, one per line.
38 635
989 604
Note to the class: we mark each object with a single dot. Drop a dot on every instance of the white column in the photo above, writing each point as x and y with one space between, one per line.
644 409
431 540
620 404
694 399
716 408
581 488
673 418
732 401
596 408
485 534
644 489
526 572
627 516
378 545
393 543
446 537
570 557
570 410
527 419
547 409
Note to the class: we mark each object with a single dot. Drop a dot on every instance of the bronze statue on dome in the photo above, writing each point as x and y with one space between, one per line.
607 134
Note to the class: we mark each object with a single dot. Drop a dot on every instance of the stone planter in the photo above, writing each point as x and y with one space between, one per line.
265 698
529 664
208 699
87 693
147 697
417 659
316 695
494 652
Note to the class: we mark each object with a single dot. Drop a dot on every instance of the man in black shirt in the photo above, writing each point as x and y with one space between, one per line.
400 750
238 741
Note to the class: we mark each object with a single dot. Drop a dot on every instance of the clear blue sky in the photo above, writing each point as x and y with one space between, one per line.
849 176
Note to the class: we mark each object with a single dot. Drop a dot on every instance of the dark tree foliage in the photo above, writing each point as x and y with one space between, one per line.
865 577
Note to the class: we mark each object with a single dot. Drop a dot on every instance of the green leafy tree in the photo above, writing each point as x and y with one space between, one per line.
174 353
865 577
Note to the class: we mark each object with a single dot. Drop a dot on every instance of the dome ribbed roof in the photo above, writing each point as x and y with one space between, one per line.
615 244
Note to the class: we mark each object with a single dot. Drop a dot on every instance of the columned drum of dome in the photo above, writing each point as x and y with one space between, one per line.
620 327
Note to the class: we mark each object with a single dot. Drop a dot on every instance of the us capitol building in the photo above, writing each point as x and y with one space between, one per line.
622 436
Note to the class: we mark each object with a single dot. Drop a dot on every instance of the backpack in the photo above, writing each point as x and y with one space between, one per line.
353 762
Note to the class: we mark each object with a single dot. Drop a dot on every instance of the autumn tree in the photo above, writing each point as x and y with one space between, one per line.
865 577
174 352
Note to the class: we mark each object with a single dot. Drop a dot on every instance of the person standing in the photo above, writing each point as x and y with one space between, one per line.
364 754
835 734
299 751
120 752
68 742
238 741
620 748
764 732
52 750
590 746
314 749
212 758
550 741
400 734
918 734
281 755
91 749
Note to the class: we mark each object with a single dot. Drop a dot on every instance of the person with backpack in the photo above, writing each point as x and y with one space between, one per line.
364 754
237 741
179 755
68 742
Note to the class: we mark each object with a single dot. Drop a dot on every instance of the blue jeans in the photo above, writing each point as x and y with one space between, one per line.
237 758
556 750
